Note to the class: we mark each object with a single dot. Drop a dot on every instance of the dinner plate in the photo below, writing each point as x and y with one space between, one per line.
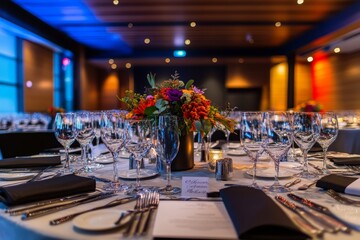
236 153
16 176
104 160
124 155
347 213
131 174
270 173
99 220
234 145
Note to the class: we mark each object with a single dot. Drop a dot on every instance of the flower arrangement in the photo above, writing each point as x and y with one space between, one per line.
174 97
309 106
53 110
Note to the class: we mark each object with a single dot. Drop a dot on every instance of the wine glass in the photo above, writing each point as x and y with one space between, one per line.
65 133
114 136
278 141
168 147
306 132
252 139
140 143
85 134
328 133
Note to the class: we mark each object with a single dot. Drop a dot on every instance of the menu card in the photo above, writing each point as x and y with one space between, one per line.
193 219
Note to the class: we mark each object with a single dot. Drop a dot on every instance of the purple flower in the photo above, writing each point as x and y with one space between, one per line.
149 97
197 90
174 95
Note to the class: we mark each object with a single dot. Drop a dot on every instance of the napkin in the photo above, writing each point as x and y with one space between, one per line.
338 183
28 162
257 216
345 161
46 189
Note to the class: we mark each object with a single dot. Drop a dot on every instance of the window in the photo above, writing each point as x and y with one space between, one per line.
9 85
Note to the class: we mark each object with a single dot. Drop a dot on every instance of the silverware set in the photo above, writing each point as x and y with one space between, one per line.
142 214
314 218
342 199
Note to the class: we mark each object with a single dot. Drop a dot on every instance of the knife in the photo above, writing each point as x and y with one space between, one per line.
305 215
14 211
51 209
317 207
113 203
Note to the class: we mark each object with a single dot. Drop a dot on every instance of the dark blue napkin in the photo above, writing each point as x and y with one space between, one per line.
257 216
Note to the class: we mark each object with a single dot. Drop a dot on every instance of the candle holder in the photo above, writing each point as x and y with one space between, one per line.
214 155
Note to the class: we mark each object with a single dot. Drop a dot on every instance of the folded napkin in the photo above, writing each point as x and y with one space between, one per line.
338 183
345 161
46 189
257 216
28 162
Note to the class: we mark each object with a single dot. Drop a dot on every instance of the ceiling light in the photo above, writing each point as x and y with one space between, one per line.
337 50
241 60
113 66
310 59
147 40
179 53
278 24
249 38
300 2
130 25
116 2
193 24
214 60
187 42
128 65
111 61
167 60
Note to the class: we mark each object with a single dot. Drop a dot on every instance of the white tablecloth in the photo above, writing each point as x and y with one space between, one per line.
39 228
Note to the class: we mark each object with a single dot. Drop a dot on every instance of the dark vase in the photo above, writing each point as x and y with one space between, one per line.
184 160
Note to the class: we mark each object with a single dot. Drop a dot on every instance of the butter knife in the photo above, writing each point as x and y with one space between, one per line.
318 231
113 203
317 207
41 212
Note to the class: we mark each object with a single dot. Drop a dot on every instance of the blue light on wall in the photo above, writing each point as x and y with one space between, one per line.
179 53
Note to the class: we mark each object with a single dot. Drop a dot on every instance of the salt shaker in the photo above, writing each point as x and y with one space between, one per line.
224 169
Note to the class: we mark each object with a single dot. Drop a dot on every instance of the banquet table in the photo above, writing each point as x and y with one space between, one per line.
348 140
12 227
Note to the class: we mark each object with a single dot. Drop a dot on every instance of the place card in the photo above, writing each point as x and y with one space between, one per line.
194 186
193 220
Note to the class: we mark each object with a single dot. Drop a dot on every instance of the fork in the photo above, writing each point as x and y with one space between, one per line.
154 200
131 228
342 199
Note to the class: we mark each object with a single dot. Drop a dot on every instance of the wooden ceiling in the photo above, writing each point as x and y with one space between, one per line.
223 27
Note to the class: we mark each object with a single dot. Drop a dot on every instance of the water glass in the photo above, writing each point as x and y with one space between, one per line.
306 132
328 133
167 148
251 138
278 141
65 133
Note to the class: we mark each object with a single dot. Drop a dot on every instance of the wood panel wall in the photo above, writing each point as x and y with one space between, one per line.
38 68
336 80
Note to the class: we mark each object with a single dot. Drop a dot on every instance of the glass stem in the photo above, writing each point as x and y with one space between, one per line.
168 175
83 155
67 159
324 159
254 171
97 141
138 162
115 167
306 169
276 163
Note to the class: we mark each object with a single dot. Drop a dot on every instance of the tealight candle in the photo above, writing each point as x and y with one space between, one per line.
214 154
